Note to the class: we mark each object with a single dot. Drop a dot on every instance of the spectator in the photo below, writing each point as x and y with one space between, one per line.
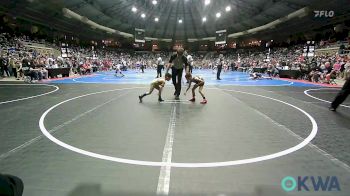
4 66
12 63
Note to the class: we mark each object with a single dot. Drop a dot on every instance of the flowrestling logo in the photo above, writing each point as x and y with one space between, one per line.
310 183
324 13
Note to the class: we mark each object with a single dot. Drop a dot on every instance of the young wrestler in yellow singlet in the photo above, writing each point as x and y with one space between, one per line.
158 84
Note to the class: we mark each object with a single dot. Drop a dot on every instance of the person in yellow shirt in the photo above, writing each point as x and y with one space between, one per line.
158 84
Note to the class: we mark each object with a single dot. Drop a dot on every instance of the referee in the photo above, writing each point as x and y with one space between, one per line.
344 92
190 63
160 66
177 63
220 64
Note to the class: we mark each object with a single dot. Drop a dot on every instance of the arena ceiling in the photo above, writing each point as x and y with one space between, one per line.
126 15
244 14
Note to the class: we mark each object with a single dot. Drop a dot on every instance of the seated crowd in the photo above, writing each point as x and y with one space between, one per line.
19 61
322 68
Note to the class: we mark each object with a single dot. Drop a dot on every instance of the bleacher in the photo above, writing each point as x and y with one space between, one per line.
331 49
41 47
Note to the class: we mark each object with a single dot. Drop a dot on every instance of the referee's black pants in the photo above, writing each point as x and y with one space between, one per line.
177 74
219 72
159 71
342 95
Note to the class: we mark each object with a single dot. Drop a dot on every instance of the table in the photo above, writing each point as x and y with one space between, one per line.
242 69
294 74
260 69
54 72
94 68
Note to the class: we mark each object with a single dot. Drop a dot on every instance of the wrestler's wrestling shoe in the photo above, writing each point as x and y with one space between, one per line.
140 97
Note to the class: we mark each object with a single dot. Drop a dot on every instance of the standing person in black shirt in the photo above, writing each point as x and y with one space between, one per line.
3 66
160 66
143 63
2 69
233 66
220 64
177 63
342 95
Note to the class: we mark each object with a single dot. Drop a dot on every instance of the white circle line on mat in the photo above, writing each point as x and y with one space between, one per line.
30 97
306 92
305 142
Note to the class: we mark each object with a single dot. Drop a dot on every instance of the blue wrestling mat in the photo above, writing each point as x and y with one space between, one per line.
135 77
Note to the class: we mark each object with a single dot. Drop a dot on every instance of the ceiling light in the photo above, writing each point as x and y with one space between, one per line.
143 15
133 9
228 8
156 19
154 2
218 15
204 19
206 2
180 21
